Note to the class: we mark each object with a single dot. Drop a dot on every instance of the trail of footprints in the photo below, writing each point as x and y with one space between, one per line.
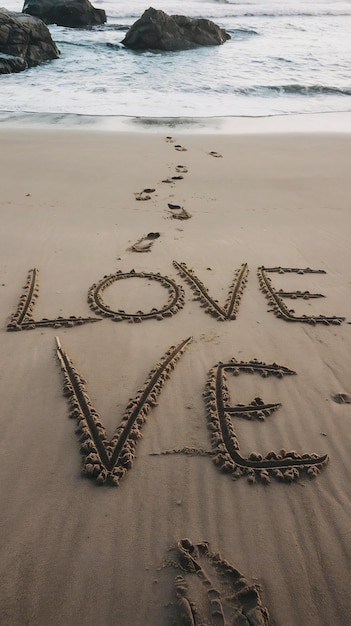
210 591
104 460
176 211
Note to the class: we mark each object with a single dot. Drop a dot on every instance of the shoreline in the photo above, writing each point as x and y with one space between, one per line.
330 122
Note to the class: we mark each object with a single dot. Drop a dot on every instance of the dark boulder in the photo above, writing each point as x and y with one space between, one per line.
25 41
156 30
71 13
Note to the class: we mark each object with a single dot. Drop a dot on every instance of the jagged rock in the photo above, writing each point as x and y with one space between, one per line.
25 41
71 13
158 31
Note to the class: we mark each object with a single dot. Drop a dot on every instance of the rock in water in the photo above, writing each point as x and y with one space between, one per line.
156 30
25 41
71 13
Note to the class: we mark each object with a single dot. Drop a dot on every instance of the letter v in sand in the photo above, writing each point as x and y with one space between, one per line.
211 306
107 461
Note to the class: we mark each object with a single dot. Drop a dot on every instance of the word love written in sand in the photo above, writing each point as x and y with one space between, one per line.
23 319
108 460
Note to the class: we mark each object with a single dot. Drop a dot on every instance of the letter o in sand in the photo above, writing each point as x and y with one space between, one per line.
174 304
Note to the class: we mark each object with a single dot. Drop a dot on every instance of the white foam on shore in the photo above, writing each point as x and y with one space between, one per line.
301 123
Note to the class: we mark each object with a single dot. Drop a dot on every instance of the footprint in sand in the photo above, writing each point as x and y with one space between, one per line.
216 154
169 139
145 243
180 148
342 398
181 168
145 194
172 179
209 590
178 212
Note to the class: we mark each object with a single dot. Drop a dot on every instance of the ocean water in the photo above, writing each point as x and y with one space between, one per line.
284 57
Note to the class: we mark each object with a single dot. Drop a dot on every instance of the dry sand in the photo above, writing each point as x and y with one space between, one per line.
73 552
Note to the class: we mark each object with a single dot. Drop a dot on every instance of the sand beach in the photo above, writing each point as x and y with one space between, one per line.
175 377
